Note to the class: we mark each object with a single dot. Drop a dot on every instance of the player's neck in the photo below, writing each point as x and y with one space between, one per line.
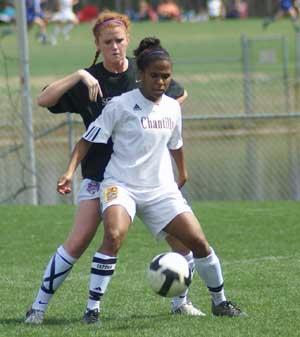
119 67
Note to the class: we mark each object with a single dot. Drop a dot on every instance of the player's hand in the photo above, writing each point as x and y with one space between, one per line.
181 181
92 84
64 185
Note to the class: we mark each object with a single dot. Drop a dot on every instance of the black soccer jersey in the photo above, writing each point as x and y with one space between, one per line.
76 100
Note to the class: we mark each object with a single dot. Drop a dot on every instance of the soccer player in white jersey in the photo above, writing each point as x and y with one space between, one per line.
64 20
145 126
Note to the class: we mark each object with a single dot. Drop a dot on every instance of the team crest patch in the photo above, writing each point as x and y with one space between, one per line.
110 193
93 187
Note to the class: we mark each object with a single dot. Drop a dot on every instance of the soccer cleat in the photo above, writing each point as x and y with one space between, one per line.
34 316
91 316
187 309
226 308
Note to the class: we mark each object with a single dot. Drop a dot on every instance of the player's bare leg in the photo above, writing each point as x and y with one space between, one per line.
186 228
294 17
60 265
42 27
116 225
86 223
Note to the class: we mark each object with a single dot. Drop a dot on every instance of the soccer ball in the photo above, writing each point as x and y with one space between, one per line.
169 274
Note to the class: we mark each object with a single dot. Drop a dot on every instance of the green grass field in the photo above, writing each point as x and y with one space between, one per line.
258 244
205 41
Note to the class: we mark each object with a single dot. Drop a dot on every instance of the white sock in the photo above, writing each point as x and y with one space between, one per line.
182 298
55 273
103 267
56 31
209 269
67 28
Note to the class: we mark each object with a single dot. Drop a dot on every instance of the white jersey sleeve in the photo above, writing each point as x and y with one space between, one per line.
101 129
175 141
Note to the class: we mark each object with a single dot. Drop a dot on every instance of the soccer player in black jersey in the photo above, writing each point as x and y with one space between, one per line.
86 92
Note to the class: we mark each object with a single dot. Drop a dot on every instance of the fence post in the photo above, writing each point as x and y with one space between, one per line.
29 151
286 74
248 104
297 72
294 149
251 147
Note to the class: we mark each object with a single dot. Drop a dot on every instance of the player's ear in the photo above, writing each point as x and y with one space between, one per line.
97 45
141 76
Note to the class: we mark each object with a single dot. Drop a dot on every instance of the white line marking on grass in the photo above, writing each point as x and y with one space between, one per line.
262 259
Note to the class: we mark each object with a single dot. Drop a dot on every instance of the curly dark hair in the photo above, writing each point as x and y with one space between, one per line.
149 50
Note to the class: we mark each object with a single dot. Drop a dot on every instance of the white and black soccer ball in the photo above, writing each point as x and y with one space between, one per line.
169 274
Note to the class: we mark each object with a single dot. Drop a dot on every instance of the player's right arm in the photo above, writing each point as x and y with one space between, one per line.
80 150
52 93
98 132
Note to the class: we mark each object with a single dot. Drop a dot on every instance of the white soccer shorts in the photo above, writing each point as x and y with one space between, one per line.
156 207
64 16
89 189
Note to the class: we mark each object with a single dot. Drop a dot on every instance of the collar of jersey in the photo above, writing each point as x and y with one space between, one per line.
111 74
146 100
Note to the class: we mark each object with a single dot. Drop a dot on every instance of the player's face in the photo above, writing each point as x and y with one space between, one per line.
112 43
156 79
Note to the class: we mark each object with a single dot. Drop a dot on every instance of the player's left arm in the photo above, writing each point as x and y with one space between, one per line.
178 156
182 98
175 146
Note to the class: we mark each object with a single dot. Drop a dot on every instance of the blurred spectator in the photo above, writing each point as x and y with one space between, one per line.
35 16
88 13
168 10
7 16
286 8
297 6
7 12
216 9
64 20
237 9
145 12
242 7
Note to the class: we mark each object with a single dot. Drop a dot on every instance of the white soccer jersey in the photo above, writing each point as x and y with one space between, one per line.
142 133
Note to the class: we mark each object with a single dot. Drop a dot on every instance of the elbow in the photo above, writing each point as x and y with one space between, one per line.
46 99
41 101
183 98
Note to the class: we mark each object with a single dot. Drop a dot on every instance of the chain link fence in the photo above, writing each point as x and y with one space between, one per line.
241 129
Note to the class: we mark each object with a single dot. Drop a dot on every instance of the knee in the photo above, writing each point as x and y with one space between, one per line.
200 247
112 241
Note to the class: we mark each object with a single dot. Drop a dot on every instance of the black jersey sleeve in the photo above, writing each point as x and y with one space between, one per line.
75 100
175 90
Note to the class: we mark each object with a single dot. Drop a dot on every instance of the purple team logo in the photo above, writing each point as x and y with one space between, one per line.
93 187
